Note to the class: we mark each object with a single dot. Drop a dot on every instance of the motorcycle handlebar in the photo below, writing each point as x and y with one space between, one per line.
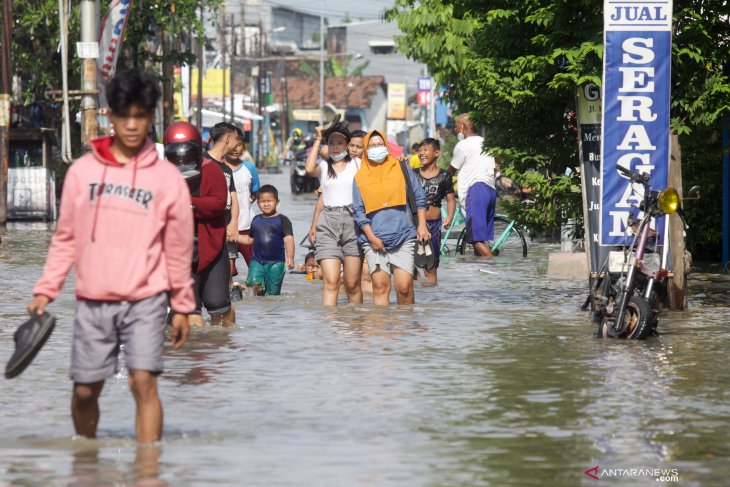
642 178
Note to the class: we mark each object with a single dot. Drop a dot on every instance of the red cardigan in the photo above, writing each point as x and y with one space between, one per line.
210 213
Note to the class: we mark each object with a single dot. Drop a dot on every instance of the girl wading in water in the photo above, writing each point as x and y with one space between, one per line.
388 228
336 242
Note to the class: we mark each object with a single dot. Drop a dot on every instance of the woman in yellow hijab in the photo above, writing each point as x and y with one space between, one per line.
387 231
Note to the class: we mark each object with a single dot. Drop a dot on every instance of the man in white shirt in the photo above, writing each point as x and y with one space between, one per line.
476 184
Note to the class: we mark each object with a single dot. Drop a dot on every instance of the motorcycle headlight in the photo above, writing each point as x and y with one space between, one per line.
668 201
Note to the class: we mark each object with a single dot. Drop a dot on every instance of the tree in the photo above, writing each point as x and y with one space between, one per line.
35 43
36 37
515 65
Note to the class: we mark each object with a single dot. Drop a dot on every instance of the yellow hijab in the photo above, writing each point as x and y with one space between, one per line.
381 185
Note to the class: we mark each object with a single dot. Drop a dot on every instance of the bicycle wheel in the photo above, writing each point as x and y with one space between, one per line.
509 238
462 247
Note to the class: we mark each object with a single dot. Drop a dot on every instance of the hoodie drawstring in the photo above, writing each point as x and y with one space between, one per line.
134 175
101 191
98 202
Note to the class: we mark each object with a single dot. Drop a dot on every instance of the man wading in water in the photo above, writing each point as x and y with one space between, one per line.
125 224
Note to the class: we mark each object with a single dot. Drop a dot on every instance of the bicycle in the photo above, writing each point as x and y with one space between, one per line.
509 237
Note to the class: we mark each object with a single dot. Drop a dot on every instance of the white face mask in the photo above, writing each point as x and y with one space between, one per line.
460 136
377 154
338 157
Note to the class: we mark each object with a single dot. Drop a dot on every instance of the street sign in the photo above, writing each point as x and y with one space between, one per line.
424 97
424 84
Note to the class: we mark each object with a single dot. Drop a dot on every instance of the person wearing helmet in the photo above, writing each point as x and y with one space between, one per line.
295 142
209 195
182 145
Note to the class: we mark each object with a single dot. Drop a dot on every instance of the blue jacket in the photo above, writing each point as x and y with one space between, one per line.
392 225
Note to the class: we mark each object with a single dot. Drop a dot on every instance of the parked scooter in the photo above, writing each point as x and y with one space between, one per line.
629 292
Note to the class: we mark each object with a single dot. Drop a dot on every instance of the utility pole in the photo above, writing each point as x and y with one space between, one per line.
321 63
200 54
168 75
432 108
233 51
5 69
89 126
224 48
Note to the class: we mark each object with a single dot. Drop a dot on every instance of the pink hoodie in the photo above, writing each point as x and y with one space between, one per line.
127 229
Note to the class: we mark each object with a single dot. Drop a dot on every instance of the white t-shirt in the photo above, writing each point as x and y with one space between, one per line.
242 179
474 165
337 191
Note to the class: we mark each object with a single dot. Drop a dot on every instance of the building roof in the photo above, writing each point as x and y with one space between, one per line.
353 92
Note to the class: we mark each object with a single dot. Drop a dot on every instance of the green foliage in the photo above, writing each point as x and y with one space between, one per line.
36 38
334 67
701 161
178 20
447 150
515 66
35 43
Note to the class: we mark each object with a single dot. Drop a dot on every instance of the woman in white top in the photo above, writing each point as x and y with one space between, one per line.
336 241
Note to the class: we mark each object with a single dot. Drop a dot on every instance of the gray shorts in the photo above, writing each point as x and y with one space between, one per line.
400 257
336 234
101 327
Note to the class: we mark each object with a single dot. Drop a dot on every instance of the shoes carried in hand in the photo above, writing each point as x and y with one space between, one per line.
425 257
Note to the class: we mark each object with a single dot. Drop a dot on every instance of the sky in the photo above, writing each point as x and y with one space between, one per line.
335 10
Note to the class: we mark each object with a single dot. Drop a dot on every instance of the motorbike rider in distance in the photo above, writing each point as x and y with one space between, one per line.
296 142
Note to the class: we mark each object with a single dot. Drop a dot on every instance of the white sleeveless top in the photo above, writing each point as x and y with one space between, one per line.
337 191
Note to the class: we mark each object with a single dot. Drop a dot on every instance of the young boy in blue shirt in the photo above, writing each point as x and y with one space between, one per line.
273 245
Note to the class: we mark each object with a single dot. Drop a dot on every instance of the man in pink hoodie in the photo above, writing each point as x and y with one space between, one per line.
126 226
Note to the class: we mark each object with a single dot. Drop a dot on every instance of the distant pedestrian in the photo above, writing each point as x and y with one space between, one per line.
476 184
126 227
414 161
273 245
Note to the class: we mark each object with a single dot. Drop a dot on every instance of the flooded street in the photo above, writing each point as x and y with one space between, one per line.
491 378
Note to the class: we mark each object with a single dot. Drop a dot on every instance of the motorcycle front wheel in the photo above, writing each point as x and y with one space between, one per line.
639 316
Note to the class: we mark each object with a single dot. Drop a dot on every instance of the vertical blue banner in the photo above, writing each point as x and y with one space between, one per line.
636 89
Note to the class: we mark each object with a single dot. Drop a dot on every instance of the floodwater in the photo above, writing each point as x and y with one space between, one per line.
491 378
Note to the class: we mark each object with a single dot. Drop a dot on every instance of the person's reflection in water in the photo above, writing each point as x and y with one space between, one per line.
147 467
375 322
90 471
85 470
203 357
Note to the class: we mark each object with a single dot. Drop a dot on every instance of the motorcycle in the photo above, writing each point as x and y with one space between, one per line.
300 181
630 291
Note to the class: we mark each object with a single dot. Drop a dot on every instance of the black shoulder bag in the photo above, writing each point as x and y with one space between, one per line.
410 195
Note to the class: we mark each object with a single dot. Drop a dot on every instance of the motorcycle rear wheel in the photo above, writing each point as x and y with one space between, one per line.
638 312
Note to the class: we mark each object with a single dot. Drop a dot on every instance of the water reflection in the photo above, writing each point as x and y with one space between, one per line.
491 378
92 467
